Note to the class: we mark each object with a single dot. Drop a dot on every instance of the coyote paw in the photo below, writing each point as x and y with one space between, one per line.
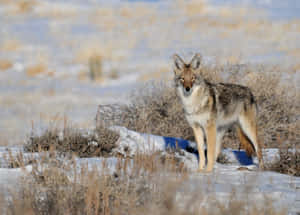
201 170
204 170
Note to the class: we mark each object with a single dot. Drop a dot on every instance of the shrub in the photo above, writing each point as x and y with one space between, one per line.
288 161
97 143
154 109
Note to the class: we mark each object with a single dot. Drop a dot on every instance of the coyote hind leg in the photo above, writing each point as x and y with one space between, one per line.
219 137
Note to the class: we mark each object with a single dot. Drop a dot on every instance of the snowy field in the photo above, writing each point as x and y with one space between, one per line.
237 174
46 47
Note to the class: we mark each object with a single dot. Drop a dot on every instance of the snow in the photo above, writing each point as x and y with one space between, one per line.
283 190
146 143
280 188
51 32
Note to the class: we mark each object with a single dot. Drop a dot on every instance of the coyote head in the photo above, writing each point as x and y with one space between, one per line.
187 75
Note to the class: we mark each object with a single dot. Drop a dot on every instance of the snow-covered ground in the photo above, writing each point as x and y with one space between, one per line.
283 190
45 48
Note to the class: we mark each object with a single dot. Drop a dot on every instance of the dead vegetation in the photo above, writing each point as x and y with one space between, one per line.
154 109
95 67
10 45
5 64
139 186
25 6
36 69
97 143
288 161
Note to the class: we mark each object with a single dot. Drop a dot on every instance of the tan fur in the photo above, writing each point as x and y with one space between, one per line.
211 144
245 143
249 127
199 135
211 109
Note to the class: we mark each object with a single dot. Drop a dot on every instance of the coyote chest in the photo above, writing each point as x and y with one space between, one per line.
196 108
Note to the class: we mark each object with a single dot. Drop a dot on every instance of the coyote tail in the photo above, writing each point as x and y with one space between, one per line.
245 143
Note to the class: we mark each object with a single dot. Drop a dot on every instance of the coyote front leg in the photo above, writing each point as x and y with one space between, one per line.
210 131
199 135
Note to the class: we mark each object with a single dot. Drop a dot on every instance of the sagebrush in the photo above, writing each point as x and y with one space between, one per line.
99 142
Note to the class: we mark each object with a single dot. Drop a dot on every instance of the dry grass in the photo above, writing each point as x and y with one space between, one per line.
192 8
4 2
288 161
90 49
60 188
108 17
37 69
10 45
278 109
144 185
97 143
83 75
95 67
5 64
154 109
19 7
161 74
56 11
95 70
25 6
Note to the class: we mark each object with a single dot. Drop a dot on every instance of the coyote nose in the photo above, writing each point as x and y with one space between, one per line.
187 89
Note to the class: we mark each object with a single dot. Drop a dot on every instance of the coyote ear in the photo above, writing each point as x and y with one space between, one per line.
178 62
196 61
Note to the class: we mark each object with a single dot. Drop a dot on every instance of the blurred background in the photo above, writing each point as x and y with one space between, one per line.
59 59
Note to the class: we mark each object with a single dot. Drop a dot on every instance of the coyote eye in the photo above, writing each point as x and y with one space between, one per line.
182 79
193 78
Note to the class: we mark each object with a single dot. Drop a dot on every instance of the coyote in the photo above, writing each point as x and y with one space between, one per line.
211 109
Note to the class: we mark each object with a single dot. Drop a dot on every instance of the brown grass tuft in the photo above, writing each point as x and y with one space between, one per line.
288 161
3 2
35 70
5 64
10 45
25 6
95 67
192 8
98 143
